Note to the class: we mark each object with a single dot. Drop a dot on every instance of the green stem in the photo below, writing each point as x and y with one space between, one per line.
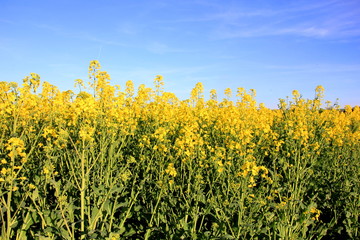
82 193
8 212
148 231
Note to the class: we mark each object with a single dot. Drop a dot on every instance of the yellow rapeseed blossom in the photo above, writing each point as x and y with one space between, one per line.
86 133
111 131
16 146
4 171
46 170
314 212
171 170
250 169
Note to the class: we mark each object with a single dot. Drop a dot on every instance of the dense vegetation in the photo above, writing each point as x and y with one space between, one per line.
107 164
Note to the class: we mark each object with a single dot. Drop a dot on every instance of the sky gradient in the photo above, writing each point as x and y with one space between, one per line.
273 47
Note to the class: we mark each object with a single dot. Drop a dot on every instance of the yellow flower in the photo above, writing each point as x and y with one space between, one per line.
14 142
316 213
79 82
228 92
171 170
296 94
125 175
158 78
86 133
4 171
46 170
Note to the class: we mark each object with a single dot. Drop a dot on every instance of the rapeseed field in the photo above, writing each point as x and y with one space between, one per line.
114 163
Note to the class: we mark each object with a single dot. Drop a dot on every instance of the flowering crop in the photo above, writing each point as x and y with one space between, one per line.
111 164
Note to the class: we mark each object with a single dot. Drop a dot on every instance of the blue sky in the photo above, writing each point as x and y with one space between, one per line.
273 47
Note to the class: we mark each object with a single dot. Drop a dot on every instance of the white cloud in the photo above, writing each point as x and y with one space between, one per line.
319 19
162 48
313 68
129 28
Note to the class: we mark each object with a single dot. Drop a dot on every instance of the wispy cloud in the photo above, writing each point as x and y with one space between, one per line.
162 48
82 35
152 71
315 68
319 19
129 28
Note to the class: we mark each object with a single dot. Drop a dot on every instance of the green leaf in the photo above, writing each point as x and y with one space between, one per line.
35 194
94 215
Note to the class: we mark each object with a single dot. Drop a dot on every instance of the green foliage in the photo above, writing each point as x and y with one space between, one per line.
131 168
